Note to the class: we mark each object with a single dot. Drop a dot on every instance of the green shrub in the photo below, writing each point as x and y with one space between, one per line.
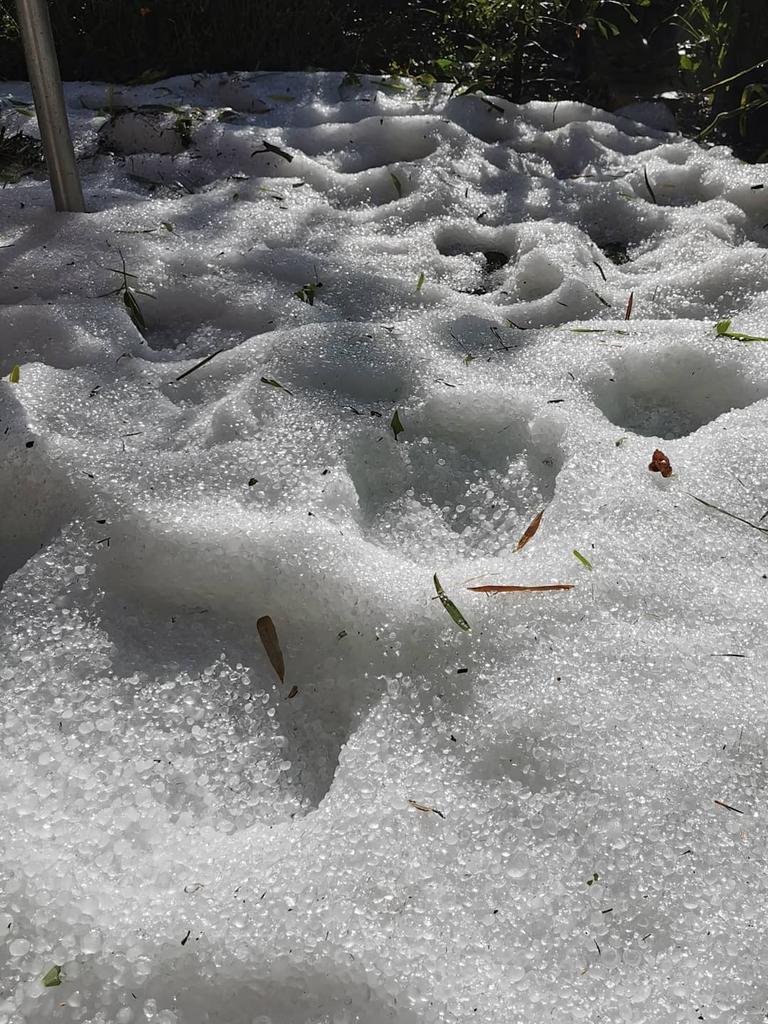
726 57
499 44
605 52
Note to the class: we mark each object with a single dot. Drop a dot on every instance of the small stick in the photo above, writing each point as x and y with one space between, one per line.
728 807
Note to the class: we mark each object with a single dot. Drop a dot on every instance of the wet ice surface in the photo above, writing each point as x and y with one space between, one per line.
193 847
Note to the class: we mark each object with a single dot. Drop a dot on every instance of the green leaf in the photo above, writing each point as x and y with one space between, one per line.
450 607
398 184
308 292
134 310
724 331
584 561
52 977
167 225
420 282
396 424
275 384
14 375
392 84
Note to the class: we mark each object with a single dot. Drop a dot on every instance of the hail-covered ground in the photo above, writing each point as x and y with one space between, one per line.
415 311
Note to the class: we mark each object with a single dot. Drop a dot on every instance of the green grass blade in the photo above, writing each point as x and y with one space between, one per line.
740 74
391 84
595 330
197 366
450 607
134 310
723 328
584 561
731 515
651 193
276 384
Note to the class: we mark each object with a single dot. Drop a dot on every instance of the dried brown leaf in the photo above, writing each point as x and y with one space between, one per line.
530 531
268 637
493 588
660 463
423 807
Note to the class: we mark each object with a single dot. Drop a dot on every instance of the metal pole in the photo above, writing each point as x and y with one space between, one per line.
44 75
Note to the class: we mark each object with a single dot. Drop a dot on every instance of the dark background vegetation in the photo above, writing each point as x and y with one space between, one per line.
605 52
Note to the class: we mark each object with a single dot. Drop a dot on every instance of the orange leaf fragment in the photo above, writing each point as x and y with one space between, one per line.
660 463
268 637
493 588
530 531
630 303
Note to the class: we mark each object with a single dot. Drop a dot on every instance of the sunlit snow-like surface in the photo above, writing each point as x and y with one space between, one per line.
193 847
